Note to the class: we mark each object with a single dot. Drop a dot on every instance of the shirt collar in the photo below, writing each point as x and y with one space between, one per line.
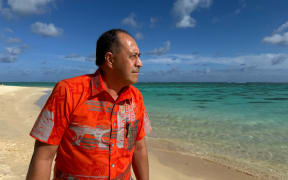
97 86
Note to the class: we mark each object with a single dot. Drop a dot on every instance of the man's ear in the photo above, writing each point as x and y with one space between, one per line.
109 59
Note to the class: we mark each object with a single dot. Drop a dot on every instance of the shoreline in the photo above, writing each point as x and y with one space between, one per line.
164 149
198 168
17 145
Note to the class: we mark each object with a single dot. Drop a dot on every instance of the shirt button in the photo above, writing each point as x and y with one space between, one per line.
114 124
113 165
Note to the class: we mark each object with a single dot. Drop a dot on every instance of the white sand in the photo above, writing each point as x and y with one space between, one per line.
18 113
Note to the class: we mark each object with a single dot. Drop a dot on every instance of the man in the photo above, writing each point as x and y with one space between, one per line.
95 123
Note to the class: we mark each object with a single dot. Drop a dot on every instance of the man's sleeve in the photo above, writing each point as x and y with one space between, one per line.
54 117
144 126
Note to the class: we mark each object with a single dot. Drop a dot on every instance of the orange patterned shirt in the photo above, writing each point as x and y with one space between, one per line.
96 134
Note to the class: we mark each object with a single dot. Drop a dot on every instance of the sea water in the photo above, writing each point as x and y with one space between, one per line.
240 125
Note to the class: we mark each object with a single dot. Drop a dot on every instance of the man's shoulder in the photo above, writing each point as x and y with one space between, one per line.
78 85
83 80
136 92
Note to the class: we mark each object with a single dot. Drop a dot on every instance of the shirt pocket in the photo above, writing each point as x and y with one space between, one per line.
131 134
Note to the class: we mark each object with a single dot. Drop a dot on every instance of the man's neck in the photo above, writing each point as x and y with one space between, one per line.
113 86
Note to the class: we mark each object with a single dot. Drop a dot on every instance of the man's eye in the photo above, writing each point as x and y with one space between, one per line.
134 56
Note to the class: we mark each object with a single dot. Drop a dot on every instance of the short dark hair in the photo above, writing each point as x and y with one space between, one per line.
107 42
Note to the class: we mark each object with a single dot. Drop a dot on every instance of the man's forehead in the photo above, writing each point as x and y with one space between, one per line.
122 35
127 41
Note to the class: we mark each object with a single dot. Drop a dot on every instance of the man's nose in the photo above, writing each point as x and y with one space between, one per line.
139 62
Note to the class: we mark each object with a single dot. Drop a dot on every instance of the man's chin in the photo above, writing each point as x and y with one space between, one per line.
133 81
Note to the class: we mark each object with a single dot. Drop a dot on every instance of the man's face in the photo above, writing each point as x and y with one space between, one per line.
127 61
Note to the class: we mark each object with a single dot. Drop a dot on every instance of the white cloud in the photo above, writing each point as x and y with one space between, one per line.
282 28
183 8
11 54
237 11
77 57
8 59
48 30
91 58
72 56
186 21
162 60
9 30
242 4
260 61
278 59
24 46
153 21
277 39
13 51
6 12
215 20
221 75
29 6
13 8
14 40
279 36
131 21
162 50
189 67
139 35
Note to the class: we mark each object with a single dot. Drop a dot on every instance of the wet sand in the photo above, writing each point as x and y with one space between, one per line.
19 110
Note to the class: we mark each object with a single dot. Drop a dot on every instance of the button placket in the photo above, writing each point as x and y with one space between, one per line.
112 141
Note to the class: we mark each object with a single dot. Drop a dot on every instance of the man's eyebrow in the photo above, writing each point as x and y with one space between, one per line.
136 54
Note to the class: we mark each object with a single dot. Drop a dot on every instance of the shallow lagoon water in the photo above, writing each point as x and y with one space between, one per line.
239 125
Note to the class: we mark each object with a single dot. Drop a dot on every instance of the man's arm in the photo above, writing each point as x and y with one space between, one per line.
41 162
140 161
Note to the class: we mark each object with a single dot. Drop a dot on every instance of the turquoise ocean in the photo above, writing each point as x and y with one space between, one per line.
241 125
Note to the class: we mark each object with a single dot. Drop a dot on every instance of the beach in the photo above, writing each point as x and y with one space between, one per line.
19 110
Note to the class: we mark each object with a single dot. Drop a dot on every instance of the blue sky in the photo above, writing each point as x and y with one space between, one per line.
180 40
